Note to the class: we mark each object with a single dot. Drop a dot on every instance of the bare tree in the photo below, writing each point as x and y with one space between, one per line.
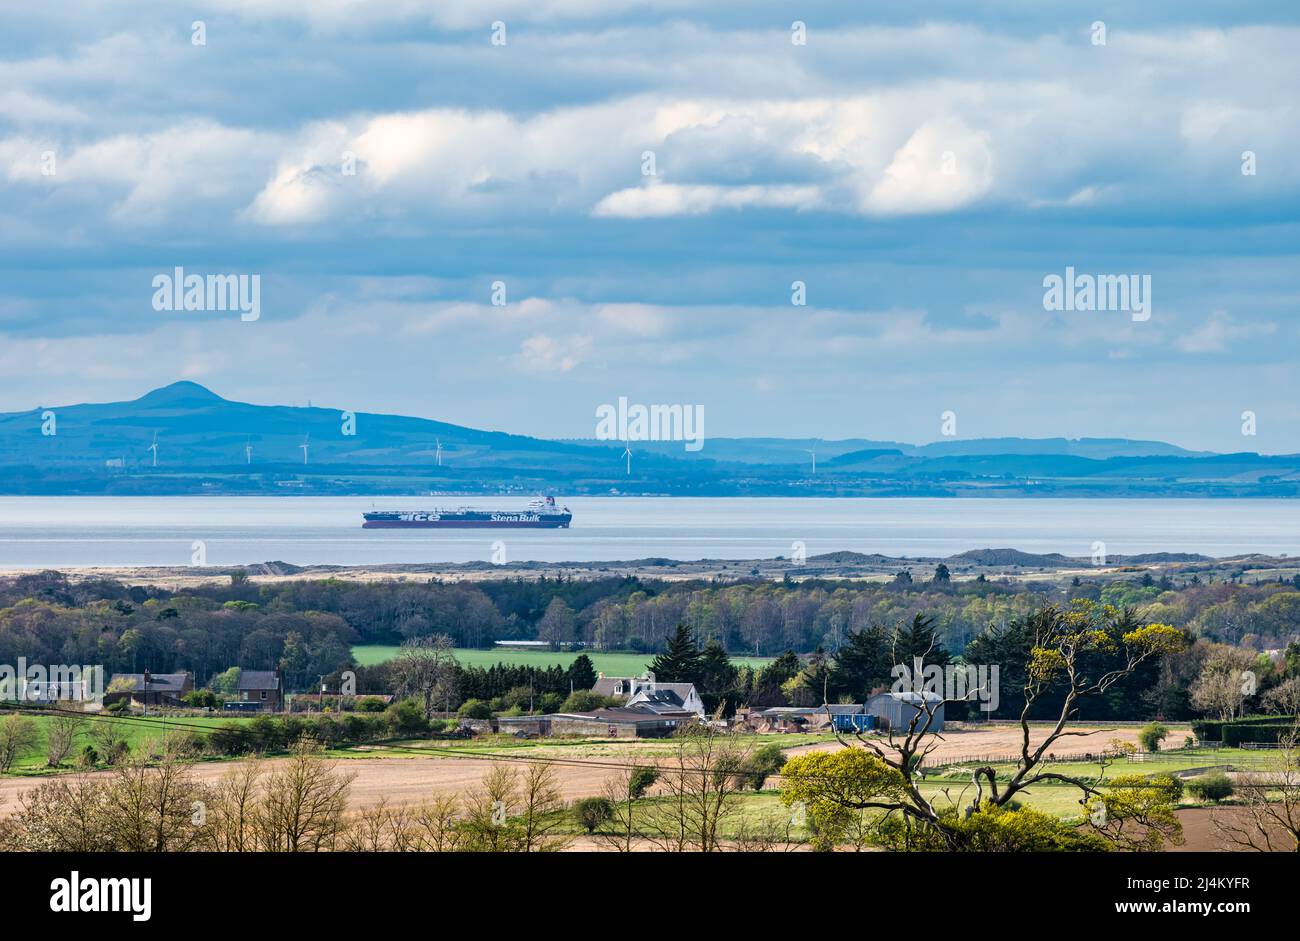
425 667
540 808
232 810
61 733
138 808
1284 698
1220 688
303 805
156 807
489 825
700 789
623 792
65 815
1267 819
434 825
380 829
17 735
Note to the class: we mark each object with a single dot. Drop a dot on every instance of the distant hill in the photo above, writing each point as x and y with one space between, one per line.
209 444
194 426
1003 557
1095 448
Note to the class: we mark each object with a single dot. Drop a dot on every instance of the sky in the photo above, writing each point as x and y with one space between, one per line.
920 168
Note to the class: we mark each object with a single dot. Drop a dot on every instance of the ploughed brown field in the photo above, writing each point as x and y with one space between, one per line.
410 780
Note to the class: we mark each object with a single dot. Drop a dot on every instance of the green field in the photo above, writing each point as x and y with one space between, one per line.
136 729
1173 761
615 664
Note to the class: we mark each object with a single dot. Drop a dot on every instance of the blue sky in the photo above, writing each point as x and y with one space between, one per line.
920 167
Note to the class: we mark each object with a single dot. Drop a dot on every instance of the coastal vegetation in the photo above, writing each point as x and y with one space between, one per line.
834 639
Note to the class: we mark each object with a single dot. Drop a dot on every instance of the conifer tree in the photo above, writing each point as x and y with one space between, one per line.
681 661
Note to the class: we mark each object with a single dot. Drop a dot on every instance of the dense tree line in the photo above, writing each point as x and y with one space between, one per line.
846 633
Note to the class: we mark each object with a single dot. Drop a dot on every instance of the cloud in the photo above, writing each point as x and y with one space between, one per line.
1219 331
944 165
920 169
1052 129
670 199
549 355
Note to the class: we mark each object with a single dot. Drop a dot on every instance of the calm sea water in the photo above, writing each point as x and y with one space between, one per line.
39 532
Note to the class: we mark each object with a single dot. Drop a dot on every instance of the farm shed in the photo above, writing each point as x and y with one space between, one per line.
785 719
849 718
620 723
896 710
529 725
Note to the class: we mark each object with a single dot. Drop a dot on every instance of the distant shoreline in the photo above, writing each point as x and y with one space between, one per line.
991 564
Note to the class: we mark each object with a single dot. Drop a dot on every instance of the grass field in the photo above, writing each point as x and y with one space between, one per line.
137 730
615 664
1165 762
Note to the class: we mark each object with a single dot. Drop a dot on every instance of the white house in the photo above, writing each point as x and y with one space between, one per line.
645 692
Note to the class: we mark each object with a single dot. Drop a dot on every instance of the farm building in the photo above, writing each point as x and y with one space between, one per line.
645 690
527 725
896 710
537 645
149 689
784 719
624 722
668 697
619 722
848 718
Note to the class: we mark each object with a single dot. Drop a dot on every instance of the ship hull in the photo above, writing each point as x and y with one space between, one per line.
557 523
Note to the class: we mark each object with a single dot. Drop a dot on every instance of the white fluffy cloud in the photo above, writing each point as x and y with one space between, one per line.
1132 124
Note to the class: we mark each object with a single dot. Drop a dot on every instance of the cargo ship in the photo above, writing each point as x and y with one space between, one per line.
539 514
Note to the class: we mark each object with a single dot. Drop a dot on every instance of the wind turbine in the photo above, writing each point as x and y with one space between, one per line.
813 452
627 453
305 440
154 448
248 451
437 454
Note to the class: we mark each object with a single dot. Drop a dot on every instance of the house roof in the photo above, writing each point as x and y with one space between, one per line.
258 679
158 682
660 697
852 709
610 685
665 709
908 697
619 715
